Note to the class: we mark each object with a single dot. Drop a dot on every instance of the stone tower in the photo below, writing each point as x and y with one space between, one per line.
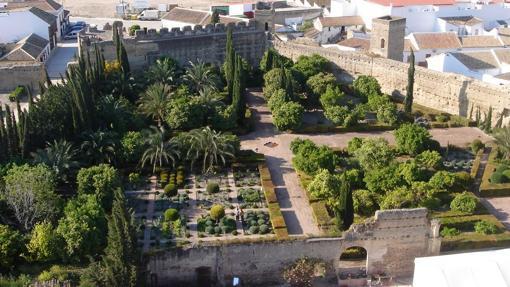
264 16
387 37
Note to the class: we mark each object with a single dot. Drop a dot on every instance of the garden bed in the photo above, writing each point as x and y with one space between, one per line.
275 213
487 188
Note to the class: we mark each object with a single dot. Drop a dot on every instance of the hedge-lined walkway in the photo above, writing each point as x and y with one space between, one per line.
291 196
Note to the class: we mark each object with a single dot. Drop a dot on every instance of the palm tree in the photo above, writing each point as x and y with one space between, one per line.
211 147
59 156
153 102
164 71
502 136
99 147
200 77
159 150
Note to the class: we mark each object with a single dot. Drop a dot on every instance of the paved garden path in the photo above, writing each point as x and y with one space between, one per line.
295 207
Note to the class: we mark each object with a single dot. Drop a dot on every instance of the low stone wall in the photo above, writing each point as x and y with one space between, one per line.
13 74
451 93
392 240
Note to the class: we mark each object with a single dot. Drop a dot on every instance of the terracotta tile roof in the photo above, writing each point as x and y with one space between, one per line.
341 21
401 3
45 5
194 17
477 60
462 20
357 43
428 41
480 41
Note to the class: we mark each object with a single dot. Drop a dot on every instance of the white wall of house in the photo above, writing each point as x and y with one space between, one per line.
173 24
449 64
462 30
16 25
340 47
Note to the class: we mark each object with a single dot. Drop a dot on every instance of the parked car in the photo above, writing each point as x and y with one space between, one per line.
72 35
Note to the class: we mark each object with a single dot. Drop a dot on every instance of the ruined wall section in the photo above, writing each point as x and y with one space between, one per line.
392 240
188 44
13 74
451 93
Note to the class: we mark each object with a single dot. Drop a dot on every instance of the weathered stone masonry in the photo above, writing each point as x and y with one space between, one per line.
451 93
392 240
28 74
189 44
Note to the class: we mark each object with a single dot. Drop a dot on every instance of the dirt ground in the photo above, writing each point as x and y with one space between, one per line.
106 8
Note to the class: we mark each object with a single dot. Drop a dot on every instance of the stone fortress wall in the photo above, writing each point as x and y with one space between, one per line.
187 44
447 92
28 74
392 239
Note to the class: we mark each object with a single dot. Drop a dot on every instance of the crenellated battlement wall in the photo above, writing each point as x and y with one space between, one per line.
448 92
199 43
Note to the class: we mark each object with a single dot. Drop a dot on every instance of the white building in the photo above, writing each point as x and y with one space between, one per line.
16 24
180 17
333 29
30 48
463 25
423 15
490 66
470 269
49 6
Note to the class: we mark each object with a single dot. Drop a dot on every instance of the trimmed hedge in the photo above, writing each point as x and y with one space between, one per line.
321 215
488 189
312 129
476 163
275 213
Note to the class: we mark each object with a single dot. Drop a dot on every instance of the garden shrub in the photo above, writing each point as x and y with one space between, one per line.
217 212
170 190
213 187
263 229
442 118
249 195
485 227
432 203
401 197
366 86
254 229
477 145
449 231
333 96
412 139
354 144
464 202
430 159
171 214
365 202
443 180
336 114
133 29
288 116
209 230
59 273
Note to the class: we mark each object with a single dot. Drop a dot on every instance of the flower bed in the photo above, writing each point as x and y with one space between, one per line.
275 213
458 160
249 198
246 176
209 227
487 188
256 222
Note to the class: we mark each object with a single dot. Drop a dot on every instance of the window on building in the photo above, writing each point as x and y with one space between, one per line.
266 26
427 55
383 43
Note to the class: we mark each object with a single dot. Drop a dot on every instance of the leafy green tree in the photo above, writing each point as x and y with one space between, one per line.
100 180
117 114
153 103
278 99
44 244
272 59
312 159
83 227
337 114
229 66
443 180
319 83
401 197
120 262
30 193
374 153
100 147
332 96
464 202
60 156
365 202
311 65
208 146
11 245
132 145
354 144
164 71
238 101
412 139
288 117
184 113
348 208
133 29
159 151
408 101
215 17
430 159
410 171
273 81
383 179
366 86
327 186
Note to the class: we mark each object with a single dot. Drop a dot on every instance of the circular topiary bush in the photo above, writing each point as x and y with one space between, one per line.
209 223
171 214
217 229
170 190
217 212
448 232
464 202
263 229
253 229
261 221
209 230
213 187
485 227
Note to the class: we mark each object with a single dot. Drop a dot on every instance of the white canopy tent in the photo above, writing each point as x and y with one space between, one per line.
474 269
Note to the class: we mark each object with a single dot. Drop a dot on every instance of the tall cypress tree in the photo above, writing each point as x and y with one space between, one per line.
239 88
3 138
408 102
120 263
348 208
289 86
487 125
236 90
230 64
124 60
